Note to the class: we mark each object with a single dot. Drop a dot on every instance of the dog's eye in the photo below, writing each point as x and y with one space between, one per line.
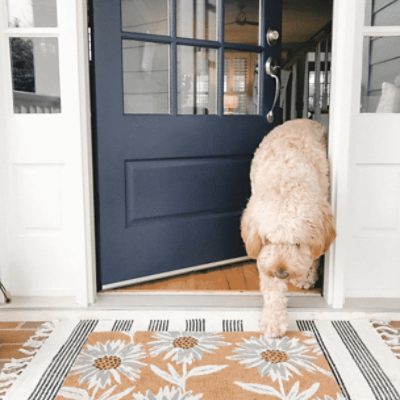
297 244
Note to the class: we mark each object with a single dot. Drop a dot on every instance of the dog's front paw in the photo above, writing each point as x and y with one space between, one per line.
309 279
302 284
273 327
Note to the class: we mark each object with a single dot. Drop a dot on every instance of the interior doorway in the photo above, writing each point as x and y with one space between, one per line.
304 93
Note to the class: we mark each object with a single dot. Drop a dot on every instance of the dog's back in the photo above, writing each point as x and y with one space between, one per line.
292 154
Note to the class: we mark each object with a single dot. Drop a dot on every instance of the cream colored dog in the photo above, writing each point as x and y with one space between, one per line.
288 224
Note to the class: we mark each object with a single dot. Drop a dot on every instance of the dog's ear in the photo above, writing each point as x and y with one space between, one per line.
323 232
250 236
328 222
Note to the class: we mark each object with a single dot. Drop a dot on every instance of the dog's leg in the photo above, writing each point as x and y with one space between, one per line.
274 317
309 279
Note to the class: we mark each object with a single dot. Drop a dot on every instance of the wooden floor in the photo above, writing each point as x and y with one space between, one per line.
238 277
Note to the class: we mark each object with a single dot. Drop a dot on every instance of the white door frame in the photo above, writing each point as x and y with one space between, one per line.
342 72
343 41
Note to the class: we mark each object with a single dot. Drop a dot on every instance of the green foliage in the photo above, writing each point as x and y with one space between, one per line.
23 69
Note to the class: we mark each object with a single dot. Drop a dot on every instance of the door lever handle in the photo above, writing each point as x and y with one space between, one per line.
272 69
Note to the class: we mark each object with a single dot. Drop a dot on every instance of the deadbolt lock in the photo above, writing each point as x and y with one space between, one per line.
272 37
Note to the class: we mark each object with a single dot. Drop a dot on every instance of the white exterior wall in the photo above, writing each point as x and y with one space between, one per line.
43 223
366 156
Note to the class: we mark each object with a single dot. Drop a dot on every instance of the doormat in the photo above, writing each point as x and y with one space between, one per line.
193 359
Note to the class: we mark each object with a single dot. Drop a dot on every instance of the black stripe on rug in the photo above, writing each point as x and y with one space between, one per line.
52 379
232 325
158 325
310 326
195 325
122 325
378 381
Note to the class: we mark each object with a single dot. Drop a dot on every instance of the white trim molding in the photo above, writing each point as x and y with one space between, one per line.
343 49
87 294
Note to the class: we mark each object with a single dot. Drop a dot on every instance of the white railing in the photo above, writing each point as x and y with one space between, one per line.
32 103
306 85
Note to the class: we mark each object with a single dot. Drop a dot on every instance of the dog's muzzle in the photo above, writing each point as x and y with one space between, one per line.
281 273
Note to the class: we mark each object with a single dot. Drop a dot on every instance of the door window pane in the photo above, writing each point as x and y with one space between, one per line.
145 16
241 82
382 12
380 89
197 80
32 13
146 77
197 19
35 75
241 21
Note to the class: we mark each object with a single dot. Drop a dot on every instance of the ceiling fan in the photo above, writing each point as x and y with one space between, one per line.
241 18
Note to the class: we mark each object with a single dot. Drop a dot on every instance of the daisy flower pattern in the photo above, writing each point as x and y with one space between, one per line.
185 347
100 364
312 342
278 359
338 397
168 393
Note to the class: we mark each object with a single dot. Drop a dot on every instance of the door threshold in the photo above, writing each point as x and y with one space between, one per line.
209 299
311 293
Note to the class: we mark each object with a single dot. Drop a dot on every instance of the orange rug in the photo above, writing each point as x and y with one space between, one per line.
173 365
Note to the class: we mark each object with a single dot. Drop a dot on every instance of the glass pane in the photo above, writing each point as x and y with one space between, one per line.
32 13
145 16
146 77
380 89
241 21
197 80
241 82
197 19
382 12
35 75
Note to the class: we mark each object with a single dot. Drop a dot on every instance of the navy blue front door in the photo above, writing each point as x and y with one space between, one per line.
180 97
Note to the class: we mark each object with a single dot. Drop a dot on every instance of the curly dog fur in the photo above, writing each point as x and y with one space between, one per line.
288 223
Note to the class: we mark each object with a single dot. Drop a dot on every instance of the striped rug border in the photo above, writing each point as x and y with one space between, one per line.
54 375
158 325
310 325
122 325
232 325
195 325
374 375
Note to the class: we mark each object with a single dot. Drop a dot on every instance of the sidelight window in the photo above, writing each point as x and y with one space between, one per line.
380 86
33 44
32 13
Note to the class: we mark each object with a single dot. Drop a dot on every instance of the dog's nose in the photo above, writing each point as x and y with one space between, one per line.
281 273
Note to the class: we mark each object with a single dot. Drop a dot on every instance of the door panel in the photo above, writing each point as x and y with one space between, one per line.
176 188
175 133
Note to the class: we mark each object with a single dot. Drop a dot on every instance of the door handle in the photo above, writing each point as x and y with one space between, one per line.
272 69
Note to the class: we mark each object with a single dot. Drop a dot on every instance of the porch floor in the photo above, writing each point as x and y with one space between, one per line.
13 335
236 277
